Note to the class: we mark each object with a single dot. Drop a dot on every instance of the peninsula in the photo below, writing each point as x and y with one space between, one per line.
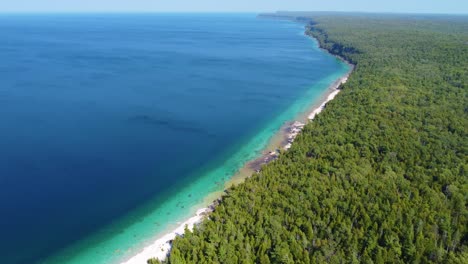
380 176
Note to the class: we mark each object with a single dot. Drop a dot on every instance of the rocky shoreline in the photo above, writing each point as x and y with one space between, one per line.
292 129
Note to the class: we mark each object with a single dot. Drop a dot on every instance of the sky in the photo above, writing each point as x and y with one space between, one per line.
394 6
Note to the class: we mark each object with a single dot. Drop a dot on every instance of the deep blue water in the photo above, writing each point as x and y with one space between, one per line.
102 113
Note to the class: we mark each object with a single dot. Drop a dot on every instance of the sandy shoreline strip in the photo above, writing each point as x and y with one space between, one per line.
329 97
161 247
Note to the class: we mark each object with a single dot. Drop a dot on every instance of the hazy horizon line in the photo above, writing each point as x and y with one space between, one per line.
217 12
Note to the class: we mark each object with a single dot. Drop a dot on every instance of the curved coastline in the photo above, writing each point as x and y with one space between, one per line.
280 141
143 234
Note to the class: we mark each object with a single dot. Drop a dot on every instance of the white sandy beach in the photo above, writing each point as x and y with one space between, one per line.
161 247
330 97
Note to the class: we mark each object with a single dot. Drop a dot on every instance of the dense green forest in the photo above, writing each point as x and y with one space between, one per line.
380 176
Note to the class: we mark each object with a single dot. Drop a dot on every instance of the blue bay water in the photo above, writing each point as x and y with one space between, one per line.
113 127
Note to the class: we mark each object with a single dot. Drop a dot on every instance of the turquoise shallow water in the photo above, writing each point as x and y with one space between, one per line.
136 119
